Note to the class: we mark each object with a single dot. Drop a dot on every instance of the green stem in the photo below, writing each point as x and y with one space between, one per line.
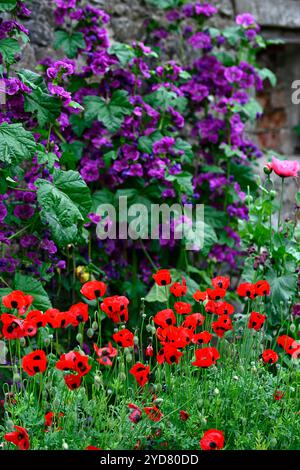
281 203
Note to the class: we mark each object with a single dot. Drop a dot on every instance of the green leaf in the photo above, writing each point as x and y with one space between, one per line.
70 43
268 74
251 110
16 144
111 113
214 218
72 153
157 294
32 286
210 238
64 205
165 4
183 182
283 288
8 49
145 143
183 146
44 106
78 124
8 5
103 196
32 80
244 175
124 52
163 99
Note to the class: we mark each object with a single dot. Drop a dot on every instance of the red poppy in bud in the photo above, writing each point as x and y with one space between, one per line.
269 356
37 318
165 318
12 327
168 354
124 338
136 413
115 308
222 325
149 351
178 337
92 448
78 313
210 307
162 277
184 416
246 290
256 321
278 395
213 439
179 290
262 288
35 362
216 294
221 282
200 296
224 308
55 318
141 373
202 338
153 413
105 354
93 289
72 381
289 345
17 300
19 438
192 321
182 308
206 357
74 361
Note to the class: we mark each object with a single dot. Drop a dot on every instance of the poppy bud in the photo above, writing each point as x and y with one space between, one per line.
16 378
95 326
90 333
149 328
128 357
267 170
122 377
79 337
293 327
136 340
47 341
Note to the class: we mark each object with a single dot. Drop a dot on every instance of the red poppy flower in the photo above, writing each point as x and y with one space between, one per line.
256 321
178 337
212 439
278 395
216 294
179 290
29 328
168 354
105 354
37 318
224 308
17 300
78 313
124 338
153 413
206 357
92 448
12 326
269 356
246 289
262 288
55 318
211 306
222 325
72 381
93 290
200 296
202 338
115 308
192 321
182 308
48 419
34 362
136 413
165 318
289 345
74 361
141 373
184 416
149 350
19 438
162 277
221 282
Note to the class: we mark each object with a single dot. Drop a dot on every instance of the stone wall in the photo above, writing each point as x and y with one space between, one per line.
280 19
